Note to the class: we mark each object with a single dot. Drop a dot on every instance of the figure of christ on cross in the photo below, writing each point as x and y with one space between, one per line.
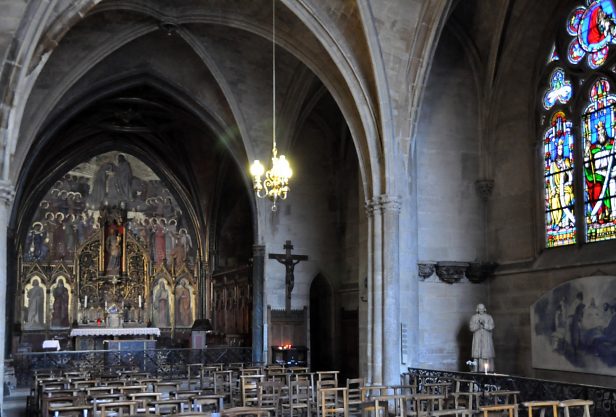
289 261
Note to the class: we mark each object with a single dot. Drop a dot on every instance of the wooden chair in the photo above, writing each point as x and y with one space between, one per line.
95 391
466 396
542 406
334 401
269 396
117 408
132 389
245 411
166 388
52 402
250 389
171 405
354 393
300 398
208 377
85 383
328 376
426 404
222 382
574 403
510 409
194 371
143 400
215 401
69 410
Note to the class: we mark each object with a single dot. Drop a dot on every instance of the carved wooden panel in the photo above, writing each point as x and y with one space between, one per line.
232 304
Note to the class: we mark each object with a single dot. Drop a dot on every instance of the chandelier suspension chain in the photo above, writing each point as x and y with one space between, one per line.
275 184
274 73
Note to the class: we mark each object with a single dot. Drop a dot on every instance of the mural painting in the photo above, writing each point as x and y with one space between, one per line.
573 327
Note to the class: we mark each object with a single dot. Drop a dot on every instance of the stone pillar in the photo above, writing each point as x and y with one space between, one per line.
390 207
7 194
258 268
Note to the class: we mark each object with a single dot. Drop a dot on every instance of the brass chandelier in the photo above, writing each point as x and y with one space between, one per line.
275 185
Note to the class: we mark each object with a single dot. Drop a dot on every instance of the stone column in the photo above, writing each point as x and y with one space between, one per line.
258 267
369 314
390 207
377 293
7 194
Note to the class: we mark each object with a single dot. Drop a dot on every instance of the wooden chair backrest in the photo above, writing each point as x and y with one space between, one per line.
334 401
269 394
249 389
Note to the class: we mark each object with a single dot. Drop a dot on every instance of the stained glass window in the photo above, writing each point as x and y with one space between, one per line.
558 173
553 56
593 29
577 120
599 173
559 90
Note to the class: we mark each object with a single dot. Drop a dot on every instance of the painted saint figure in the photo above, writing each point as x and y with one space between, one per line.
561 188
59 314
600 173
601 26
183 313
482 324
161 305
35 304
113 247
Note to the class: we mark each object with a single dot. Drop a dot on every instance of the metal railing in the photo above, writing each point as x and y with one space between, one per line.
163 363
530 389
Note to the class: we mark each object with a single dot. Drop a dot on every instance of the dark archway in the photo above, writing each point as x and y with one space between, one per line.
321 325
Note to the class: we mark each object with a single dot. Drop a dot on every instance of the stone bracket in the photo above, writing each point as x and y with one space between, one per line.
452 272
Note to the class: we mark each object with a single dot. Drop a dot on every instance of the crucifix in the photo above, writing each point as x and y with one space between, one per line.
289 261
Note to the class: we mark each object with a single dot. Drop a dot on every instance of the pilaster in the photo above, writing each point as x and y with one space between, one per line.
258 267
7 195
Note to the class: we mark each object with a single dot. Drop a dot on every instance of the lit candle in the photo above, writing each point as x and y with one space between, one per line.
85 302
485 367
105 304
139 300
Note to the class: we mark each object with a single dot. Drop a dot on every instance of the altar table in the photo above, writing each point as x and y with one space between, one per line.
92 338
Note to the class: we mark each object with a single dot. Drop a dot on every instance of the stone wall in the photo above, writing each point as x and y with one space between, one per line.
450 222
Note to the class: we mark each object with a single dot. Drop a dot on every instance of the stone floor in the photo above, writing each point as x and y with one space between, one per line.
15 404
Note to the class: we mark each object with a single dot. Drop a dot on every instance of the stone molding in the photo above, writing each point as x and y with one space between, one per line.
7 192
452 272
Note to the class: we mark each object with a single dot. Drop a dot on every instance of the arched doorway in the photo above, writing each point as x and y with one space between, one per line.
321 325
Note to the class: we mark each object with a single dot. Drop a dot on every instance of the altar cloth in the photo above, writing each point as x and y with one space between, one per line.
109 331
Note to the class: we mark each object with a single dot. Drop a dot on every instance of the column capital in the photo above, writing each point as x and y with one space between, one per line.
391 203
258 250
7 192
369 206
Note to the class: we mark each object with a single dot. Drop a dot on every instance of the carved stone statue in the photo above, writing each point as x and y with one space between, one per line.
482 324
